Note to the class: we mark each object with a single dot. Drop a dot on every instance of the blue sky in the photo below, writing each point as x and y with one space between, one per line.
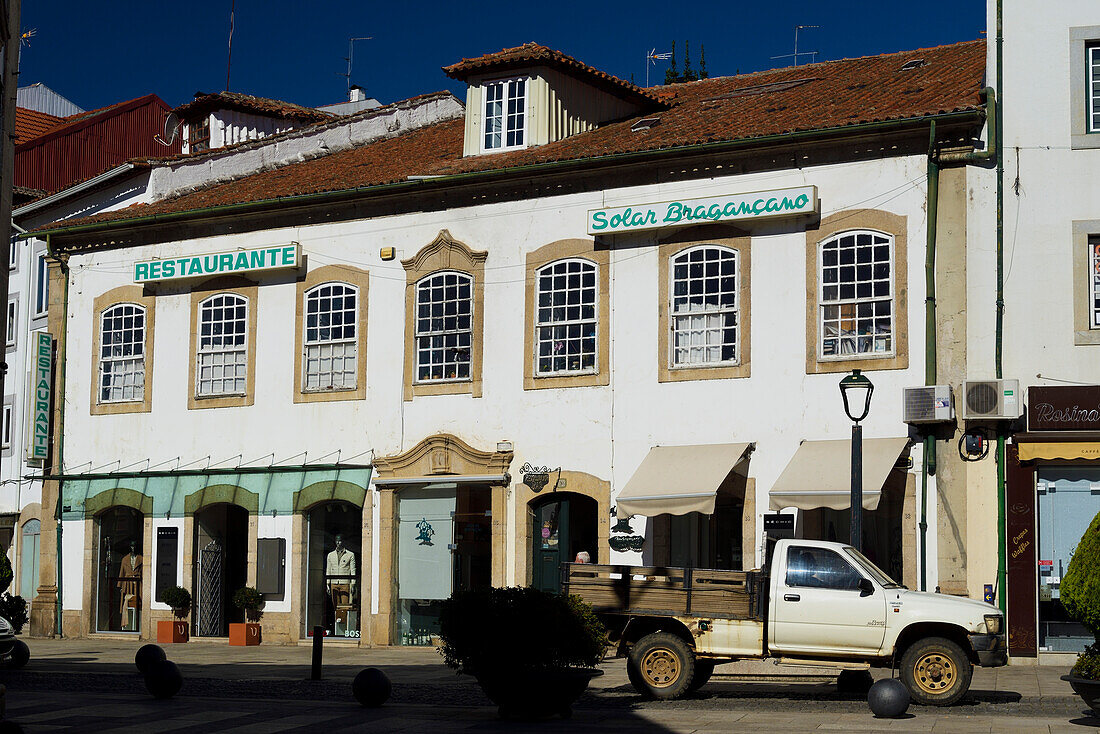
100 53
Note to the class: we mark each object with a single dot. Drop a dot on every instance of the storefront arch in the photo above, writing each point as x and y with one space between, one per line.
575 483
307 497
119 543
215 494
118 497
333 569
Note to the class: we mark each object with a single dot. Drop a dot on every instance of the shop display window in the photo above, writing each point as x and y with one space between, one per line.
120 570
333 575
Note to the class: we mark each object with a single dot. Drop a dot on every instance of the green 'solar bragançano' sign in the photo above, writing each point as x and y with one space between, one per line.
219 263
756 205
43 375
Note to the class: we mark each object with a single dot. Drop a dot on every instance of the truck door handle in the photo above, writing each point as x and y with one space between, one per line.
791 597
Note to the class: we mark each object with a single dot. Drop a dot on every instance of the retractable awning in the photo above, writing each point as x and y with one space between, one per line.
1058 445
820 474
676 480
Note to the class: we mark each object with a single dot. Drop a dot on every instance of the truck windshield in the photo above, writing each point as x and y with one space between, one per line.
885 581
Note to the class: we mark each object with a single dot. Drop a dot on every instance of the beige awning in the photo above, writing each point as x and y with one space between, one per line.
676 480
1059 450
820 474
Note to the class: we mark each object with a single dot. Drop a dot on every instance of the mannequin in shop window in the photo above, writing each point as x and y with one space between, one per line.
340 571
129 585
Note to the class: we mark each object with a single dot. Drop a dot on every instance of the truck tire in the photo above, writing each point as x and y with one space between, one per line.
703 671
663 666
936 671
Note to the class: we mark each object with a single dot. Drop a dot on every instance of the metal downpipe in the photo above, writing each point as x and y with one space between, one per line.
1002 553
928 465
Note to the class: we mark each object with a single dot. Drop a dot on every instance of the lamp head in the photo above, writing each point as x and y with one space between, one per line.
856 391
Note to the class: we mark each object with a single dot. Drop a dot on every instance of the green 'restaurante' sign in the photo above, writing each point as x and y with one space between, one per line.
220 263
39 445
755 205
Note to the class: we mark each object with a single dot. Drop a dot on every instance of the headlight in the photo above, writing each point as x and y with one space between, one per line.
993 623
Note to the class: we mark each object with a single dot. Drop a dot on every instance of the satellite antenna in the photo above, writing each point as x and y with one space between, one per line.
171 130
796 53
651 58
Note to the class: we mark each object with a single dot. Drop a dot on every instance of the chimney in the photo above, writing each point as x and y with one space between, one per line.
356 93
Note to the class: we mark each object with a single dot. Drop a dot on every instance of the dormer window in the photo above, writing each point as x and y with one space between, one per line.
505 114
198 138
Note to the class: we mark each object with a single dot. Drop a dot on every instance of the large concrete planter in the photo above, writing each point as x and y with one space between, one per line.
172 630
535 694
244 634
1088 690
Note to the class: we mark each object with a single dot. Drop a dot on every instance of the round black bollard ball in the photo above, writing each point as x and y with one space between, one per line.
7 726
20 654
888 698
147 656
371 687
854 682
163 679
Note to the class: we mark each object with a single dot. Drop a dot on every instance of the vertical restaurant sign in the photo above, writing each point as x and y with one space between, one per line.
279 257
735 207
39 445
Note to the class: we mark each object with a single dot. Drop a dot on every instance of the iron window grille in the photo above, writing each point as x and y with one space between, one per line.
444 327
703 312
222 358
856 295
122 354
331 348
566 320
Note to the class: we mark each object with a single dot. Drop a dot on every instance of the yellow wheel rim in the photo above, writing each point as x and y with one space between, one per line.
934 673
660 667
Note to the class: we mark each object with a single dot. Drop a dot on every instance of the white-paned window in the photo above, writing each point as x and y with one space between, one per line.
444 327
856 295
330 338
566 318
42 286
122 354
6 431
13 254
12 311
1092 72
505 123
703 314
1094 279
223 346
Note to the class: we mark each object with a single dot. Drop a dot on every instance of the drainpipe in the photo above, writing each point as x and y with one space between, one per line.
1002 553
59 359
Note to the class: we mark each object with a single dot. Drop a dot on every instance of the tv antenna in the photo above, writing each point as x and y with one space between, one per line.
651 58
351 56
797 53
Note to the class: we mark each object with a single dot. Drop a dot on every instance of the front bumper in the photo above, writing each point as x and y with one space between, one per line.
992 650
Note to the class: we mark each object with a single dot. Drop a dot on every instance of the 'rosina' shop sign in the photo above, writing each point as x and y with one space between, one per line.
220 263
755 205
1064 408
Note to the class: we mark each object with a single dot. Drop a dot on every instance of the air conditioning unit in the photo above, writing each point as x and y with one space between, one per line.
928 404
991 399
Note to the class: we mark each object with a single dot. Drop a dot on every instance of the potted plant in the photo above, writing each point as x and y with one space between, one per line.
532 652
169 630
1080 593
247 633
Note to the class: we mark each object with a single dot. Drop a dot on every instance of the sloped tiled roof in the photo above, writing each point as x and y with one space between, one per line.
29 124
206 103
534 54
825 96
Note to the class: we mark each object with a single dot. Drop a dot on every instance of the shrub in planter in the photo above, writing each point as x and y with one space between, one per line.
251 601
179 599
14 609
532 652
1080 593
6 574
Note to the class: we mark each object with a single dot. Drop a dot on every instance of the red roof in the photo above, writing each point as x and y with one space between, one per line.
826 96
534 54
29 124
207 103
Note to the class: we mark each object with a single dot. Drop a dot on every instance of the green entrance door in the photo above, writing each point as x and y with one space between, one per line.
563 525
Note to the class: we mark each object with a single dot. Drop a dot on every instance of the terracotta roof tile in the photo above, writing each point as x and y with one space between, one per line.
205 103
29 124
822 96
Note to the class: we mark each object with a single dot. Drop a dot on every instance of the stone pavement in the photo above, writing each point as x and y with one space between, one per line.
92 685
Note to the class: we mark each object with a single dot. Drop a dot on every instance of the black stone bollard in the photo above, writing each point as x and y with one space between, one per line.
20 655
318 641
371 687
7 726
149 655
888 698
854 682
163 679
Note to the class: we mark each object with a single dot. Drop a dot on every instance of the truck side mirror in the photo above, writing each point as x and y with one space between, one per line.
866 588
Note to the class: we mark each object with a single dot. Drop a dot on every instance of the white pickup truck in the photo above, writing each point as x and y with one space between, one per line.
818 603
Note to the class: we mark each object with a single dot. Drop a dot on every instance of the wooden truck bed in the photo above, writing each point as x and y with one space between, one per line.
649 590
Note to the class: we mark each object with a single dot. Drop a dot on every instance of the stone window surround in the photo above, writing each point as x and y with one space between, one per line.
136 295
200 292
894 225
350 275
1079 40
1084 334
669 247
445 253
582 249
